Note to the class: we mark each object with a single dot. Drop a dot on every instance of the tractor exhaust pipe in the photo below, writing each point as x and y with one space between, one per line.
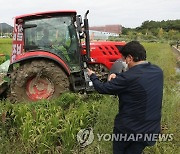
86 31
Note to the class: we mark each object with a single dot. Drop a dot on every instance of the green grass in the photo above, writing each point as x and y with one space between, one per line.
45 126
161 54
5 48
51 126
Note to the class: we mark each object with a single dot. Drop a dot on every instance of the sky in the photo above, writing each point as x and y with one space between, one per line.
128 13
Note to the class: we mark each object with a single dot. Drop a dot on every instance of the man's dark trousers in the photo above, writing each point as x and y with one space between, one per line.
129 147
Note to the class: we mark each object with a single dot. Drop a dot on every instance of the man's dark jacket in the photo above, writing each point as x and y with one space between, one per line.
140 91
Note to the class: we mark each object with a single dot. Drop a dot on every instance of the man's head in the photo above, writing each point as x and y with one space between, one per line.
133 53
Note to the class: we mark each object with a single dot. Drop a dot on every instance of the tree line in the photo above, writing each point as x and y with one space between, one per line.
153 30
166 25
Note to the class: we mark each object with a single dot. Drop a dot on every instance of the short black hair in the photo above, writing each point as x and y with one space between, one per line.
135 49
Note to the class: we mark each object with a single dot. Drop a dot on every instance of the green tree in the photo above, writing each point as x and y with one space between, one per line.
160 33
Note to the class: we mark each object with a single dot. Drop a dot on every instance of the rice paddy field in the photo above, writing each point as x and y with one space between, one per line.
51 126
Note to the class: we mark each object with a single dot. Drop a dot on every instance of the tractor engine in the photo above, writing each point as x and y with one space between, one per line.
103 54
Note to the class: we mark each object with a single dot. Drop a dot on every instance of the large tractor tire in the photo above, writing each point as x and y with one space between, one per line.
36 80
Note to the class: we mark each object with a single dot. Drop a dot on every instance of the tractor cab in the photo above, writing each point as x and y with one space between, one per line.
52 34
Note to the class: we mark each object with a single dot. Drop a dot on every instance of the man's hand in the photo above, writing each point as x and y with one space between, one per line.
90 72
112 76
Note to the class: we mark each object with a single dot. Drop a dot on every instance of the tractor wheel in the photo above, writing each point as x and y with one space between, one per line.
36 80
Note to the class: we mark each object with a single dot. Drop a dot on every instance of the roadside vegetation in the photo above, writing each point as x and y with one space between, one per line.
152 31
51 126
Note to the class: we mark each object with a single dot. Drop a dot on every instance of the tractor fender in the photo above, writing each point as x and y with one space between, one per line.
41 54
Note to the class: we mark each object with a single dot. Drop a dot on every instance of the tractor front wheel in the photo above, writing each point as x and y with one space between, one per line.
37 80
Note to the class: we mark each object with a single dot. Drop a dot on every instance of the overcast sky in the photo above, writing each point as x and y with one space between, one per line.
129 13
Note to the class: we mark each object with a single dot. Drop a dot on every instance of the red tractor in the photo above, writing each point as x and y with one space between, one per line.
48 56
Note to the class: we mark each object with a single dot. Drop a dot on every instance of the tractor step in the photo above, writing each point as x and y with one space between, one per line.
77 82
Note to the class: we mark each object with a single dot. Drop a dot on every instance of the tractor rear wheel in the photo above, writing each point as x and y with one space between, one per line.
36 80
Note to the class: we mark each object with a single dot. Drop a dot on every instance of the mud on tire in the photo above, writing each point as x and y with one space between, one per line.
37 79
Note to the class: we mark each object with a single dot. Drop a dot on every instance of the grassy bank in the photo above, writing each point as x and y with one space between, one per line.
51 126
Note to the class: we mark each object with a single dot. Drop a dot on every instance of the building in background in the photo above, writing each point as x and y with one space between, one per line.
104 32
117 29
98 35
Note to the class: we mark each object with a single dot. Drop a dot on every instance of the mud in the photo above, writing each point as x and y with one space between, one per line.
3 84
